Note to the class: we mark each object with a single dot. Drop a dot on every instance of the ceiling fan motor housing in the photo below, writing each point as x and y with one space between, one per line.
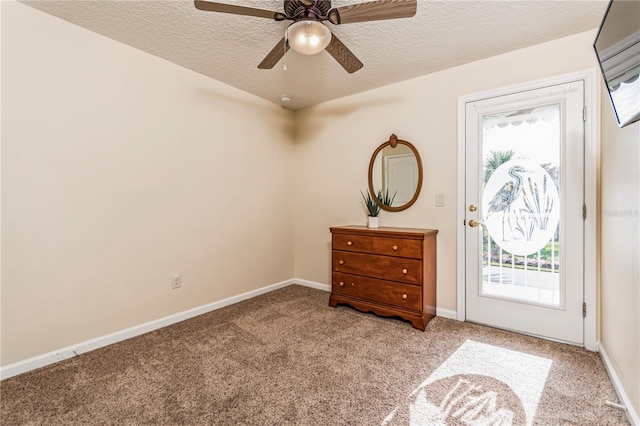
307 9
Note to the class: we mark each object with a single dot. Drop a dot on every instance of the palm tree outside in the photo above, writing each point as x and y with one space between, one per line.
494 160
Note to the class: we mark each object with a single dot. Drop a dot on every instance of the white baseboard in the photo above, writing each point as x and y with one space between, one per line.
39 361
617 385
446 313
312 284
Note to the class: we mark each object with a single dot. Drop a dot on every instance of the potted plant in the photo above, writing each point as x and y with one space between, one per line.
373 205
373 208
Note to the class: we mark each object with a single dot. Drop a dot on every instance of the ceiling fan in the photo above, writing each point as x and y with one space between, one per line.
308 35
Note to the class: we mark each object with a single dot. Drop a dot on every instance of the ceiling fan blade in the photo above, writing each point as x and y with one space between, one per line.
343 55
237 10
373 11
274 56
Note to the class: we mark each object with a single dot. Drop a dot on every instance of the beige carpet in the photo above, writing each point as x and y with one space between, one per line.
287 358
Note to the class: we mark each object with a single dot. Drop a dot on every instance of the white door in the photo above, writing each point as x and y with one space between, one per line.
401 175
524 197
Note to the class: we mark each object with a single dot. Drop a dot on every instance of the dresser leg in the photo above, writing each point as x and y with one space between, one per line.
419 323
332 302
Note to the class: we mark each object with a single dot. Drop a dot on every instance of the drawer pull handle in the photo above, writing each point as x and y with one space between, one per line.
395 248
341 283
349 243
341 262
405 270
404 296
352 284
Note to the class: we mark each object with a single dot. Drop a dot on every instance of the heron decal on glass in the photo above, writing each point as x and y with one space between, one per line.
521 205
505 197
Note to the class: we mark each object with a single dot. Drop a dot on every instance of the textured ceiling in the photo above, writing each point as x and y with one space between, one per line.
228 48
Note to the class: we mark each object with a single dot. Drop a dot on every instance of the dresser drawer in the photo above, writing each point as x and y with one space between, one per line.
378 245
397 247
390 293
359 243
381 267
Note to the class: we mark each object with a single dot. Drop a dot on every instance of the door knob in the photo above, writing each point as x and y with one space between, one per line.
474 223
472 207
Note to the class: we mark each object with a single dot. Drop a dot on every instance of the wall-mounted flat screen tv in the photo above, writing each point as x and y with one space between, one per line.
617 47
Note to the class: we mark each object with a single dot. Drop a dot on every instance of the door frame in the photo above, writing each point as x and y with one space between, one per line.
591 161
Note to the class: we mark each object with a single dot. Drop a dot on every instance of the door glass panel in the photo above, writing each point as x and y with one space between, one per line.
521 205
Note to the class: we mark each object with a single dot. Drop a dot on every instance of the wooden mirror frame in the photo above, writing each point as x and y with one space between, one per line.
393 142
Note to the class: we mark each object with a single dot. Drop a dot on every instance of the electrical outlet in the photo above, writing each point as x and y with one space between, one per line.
176 281
440 200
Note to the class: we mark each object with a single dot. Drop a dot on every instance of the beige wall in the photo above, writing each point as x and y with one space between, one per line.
120 169
620 249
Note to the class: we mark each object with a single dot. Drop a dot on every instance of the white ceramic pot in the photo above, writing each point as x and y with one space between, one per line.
373 222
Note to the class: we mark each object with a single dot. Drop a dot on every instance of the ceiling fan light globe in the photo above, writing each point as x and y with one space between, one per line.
308 37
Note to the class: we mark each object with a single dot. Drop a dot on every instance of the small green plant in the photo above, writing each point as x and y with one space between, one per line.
373 203
372 206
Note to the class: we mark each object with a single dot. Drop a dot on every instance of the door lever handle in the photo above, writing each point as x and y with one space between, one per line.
473 223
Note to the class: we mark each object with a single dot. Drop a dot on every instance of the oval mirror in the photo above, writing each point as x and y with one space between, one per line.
395 169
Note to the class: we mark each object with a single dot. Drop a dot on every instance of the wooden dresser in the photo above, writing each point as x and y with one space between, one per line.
388 271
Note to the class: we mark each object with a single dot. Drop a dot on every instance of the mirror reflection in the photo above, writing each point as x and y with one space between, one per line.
396 169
